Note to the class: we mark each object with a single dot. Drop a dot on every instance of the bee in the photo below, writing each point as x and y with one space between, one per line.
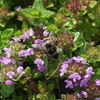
48 46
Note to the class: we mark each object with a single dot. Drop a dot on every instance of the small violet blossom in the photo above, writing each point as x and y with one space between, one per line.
84 94
24 36
30 51
9 82
18 8
20 70
79 59
89 71
63 69
45 33
16 39
7 52
30 32
84 82
22 53
79 95
68 84
38 41
40 64
41 26
97 98
5 60
75 77
97 82
10 74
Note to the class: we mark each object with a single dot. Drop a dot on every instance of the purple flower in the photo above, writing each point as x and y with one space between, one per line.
40 64
11 42
5 60
45 33
84 82
30 51
0 74
41 68
41 26
97 98
84 94
22 53
7 51
89 71
68 84
38 41
69 60
20 70
20 62
79 59
79 95
97 82
9 82
24 36
63 69
16 39
18 8
75 76
10 74
30 32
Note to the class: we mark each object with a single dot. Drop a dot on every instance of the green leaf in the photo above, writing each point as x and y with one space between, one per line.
18 33
51 96
6 90
92 4
7 33
45 59
38 5
51 86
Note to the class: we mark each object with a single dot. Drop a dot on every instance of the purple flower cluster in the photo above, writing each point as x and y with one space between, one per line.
13 75
27 52
40 64
76 77
82 94
26 35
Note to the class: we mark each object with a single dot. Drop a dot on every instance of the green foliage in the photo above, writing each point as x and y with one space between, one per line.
6 90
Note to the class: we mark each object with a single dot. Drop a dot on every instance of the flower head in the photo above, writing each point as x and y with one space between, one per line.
18 8
20 70
84 82
24 36
9 82
38 41
84 94
30 32
97 82
10 74
45 33
75 76
5 60
97 98
7 51
89 71
68 84
30 51
40 64
22 53
16 39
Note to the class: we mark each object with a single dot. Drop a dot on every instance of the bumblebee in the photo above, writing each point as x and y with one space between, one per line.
48 46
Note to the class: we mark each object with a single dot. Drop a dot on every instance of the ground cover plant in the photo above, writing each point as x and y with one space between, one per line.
49 50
